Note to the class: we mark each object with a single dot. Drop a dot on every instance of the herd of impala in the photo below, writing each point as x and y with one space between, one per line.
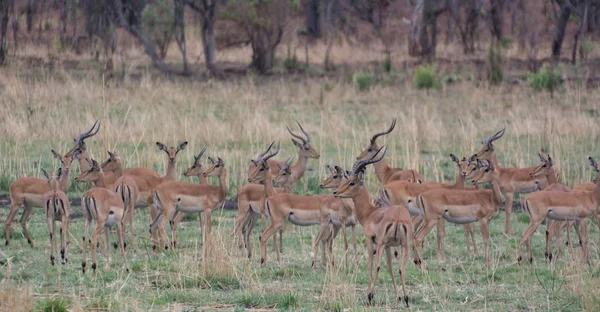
404 212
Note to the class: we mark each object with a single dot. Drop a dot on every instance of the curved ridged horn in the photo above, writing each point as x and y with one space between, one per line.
361 164
593 163
541 157
197 158
261 155
305 133
494 137
295 135
273 153
88 133
374 138
45 173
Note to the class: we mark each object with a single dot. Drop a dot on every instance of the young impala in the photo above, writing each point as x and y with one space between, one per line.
384 172
104 207
461 207
57 208
384 227
576 206
173 196
30 192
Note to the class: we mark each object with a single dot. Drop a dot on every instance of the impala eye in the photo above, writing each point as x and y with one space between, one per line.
543 166
370 150
351 183
487 170
261 169
335 177
109 160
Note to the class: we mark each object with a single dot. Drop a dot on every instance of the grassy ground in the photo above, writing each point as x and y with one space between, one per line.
235 120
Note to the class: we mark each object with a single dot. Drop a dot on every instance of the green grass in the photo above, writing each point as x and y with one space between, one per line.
235 120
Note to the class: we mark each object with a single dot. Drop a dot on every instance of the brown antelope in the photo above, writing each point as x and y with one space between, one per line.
126 186
58 207
30 192
250 202
338 218
173 196
384 227
305 151
104 207
512 180
404 193
461 207
384 172
575 206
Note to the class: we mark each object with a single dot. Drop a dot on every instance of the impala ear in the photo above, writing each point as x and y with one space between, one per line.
550 162
212 161
361 177
220 160
181 146
59 173
56 155
111 155
161 146
454 158
298 144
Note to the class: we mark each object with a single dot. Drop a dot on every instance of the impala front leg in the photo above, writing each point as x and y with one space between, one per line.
509 202
207 239
50 222
64 234
370 255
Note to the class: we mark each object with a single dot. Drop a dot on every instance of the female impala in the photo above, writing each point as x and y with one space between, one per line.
58 208
30 192
174 196
384 227
461 207
384 172
104 207
405 193
575 206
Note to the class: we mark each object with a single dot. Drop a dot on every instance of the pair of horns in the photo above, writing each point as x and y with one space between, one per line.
494 137
374 138
304 140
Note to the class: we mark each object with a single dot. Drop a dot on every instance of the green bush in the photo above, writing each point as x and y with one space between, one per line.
495 71
425 77
157 19
292 64
546 79
53 305
363 81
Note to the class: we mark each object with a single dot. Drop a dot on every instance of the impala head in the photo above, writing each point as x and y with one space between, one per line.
464 165
373 148
112 163
80 139
352 186
260 173
197 168
216 169
544 168
52 180
285 172
336 177
92 175
171 151
65 161
488 147
487 172
303 143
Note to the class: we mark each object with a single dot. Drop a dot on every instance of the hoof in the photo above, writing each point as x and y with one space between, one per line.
378 268
64 261
550 257
115 245
396 253
83 267
124 245
94 267
6 242
52 260
406 301
127 270
153 247
531 260
546 255
262 261
519 260
374 252
29 242
370 298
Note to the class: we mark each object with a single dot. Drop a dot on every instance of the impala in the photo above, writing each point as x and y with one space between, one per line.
30 192
512 180
106 209
305 151
575 206
58 207
384 172
126 186
84 155
338 217
173 196
384 227
405 193
461 207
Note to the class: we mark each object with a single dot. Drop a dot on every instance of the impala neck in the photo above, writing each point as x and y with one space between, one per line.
100 181
119 170
460 182
494 159
202 179
363 206
83 159
171 174
551 177
381 170
299 168
65 180
223 184
496 193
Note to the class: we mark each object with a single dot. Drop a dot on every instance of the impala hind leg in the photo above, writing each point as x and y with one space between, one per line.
378 254
485 234
25 223
388 258
51 223
107 234
508 197
14 208
323 229
248 235
441 230
526 237
419 237
121 233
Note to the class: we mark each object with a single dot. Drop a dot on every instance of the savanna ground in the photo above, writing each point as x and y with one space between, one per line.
44 109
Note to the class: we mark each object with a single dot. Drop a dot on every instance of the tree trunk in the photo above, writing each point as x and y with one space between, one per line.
451 31
64 15
262 55
423 32
179 29
313 18
497 18
559 31
208 37
4 15
29 12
